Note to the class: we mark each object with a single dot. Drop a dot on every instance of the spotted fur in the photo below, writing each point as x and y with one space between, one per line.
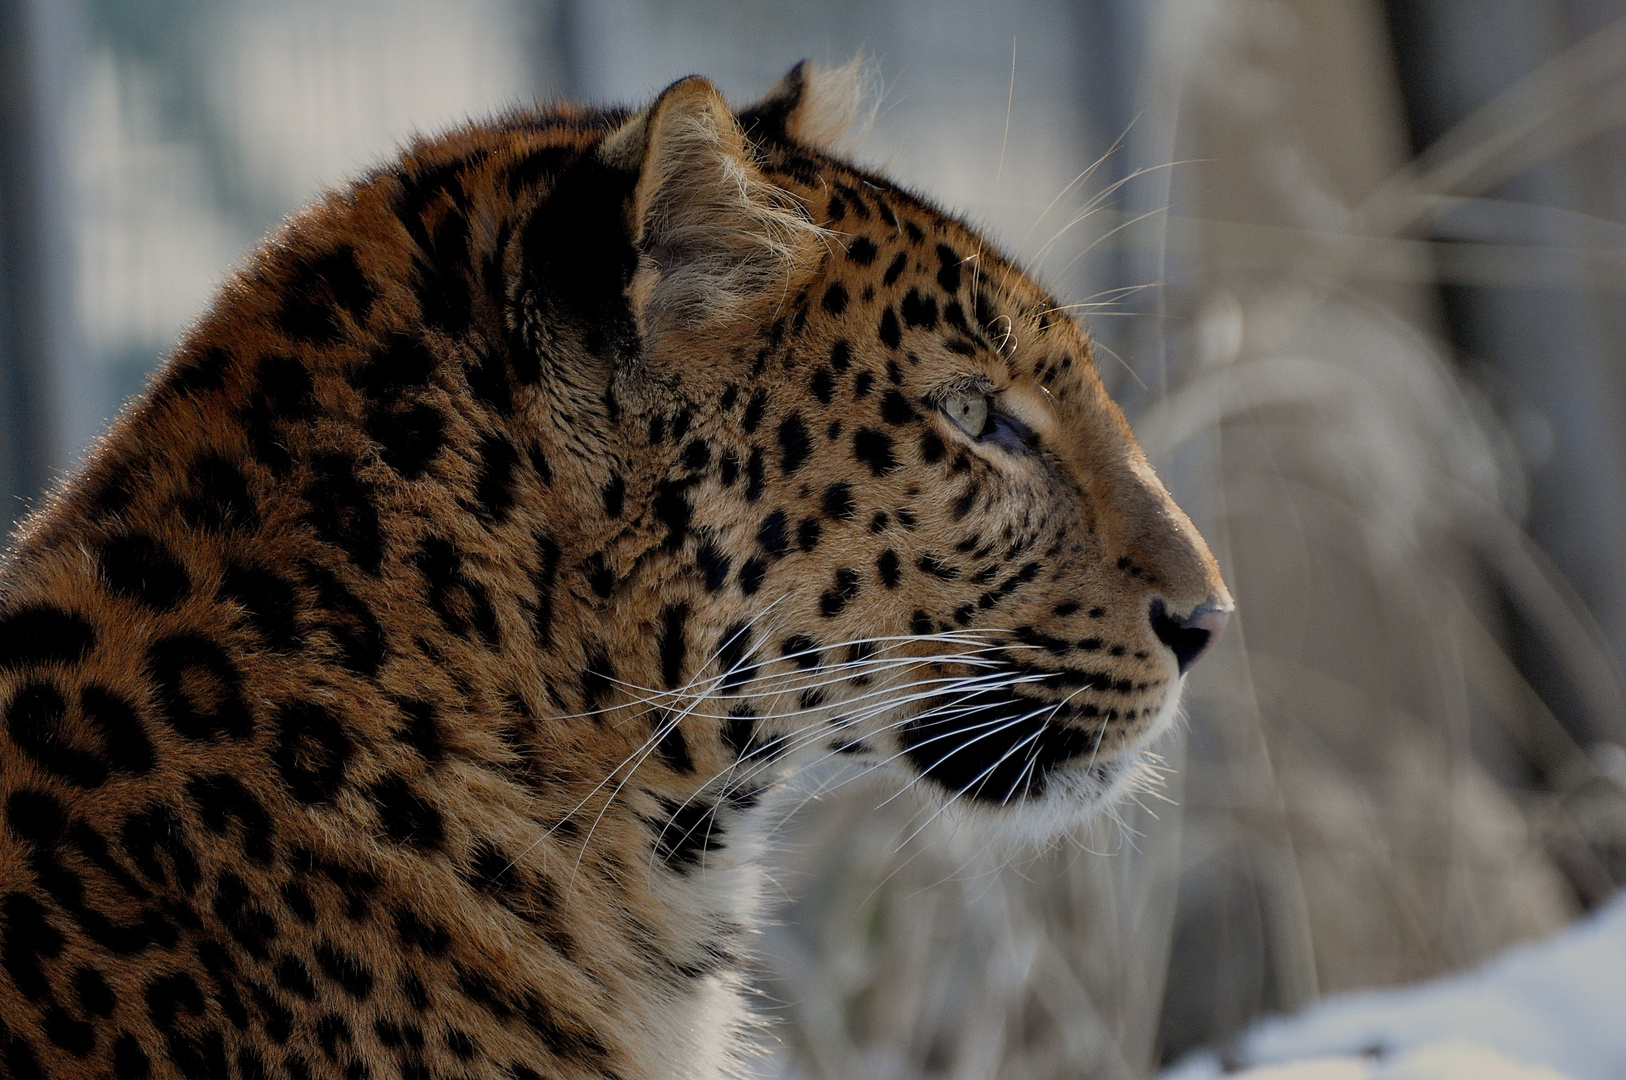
391 692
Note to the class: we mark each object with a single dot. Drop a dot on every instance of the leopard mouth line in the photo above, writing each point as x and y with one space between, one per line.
996 746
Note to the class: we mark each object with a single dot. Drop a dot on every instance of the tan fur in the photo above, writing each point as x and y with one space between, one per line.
391 692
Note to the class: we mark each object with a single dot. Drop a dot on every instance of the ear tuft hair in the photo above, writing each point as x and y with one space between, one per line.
713 233
817 106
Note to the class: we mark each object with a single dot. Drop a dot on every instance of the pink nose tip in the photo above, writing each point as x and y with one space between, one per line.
1190 637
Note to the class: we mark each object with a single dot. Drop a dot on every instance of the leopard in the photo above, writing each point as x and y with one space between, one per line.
395 688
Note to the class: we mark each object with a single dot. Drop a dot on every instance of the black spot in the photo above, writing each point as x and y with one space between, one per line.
221 799
199 690
836 208
494 478
218 497
129 1060
887 566
35 720
544 579
808 533
802 651
838 503
319 288
196 374
755 482
671 745
772 533
267 600
140 568
615 495
42 634
600 578
894 372
919 310
342 510
29 939
834 599
353 628
311 752
672 508
906 517
895 408
936 566
754 410
295 978
414 933
697 455
752 571
673 642
794 443
739 729
874 448
732 654
689 830
967 500
823 385
861 251
598 680
895 270
948 269
862 383
728 468
841 355
407 816
835 298
891 333
409 436
462 604
244 919
714 564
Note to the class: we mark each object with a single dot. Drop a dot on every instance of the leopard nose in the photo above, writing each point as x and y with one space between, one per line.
1191 636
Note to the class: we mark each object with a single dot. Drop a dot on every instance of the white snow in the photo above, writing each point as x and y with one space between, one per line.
1552 1010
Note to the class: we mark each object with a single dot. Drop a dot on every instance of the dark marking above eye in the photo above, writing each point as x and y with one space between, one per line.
861 251
835 298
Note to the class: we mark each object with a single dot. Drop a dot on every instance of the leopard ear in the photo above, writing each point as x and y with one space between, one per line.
815 105
713 234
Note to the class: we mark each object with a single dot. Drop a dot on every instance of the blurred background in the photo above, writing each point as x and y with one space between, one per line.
1358 275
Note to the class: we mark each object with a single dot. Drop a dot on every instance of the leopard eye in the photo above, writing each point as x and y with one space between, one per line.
969 411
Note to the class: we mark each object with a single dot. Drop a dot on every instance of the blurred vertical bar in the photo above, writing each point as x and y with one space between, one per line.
25 283
1560 376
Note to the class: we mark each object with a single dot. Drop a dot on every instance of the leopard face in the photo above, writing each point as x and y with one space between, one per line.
902 522
392 692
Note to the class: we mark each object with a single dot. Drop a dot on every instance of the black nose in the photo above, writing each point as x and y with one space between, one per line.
1189 637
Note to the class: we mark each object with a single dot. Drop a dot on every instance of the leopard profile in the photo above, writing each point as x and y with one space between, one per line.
393 690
